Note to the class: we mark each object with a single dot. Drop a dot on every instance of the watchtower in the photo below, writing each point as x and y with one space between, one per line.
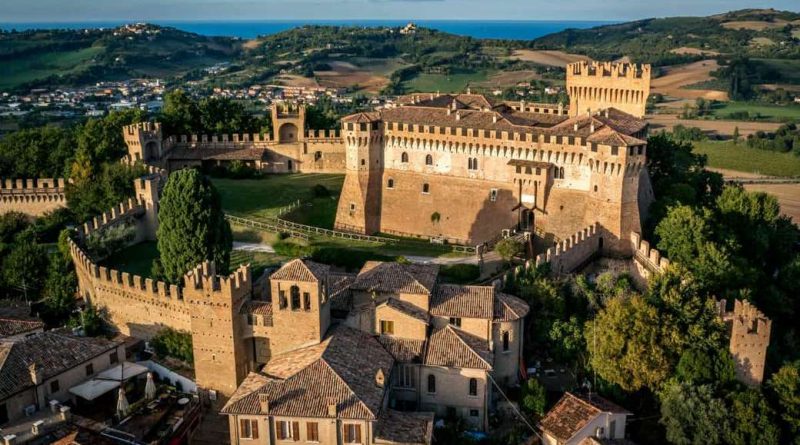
595 86
750 331
220 357
360 202
144 141
288 123
146 190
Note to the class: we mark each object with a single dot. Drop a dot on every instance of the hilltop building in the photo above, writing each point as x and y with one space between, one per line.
584 419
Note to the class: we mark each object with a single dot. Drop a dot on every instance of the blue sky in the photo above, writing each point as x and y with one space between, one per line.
134 10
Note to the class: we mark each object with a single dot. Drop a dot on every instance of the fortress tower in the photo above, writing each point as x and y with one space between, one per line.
360 202
144 142
220 357
594 86
288 123
146 190
750 331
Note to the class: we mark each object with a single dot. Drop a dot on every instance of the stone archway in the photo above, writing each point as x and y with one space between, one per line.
151 151
287 133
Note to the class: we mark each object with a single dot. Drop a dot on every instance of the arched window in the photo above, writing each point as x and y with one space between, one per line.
294 293
431 383
390 183
561 172
426 188
404 157
473 387
506 340
429 160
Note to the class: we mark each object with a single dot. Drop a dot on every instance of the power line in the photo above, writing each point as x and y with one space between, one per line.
519 414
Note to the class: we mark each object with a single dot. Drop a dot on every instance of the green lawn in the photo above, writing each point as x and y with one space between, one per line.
39 66
254 198
739 157
776 113
446 83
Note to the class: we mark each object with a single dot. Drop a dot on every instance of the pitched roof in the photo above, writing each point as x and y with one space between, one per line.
451 300
509 308
51 352
454 348
339 290
573 412
377 276
398 427
407 309
339 370
362 117
301 270
256 307
16 326
403 350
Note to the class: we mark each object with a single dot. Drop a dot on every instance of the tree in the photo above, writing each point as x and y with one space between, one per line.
624 343
59 290
751 419
566 340
101 139
534 398
508 248
23 266
192 227
784 387
736 135
692 415
180 114
698 366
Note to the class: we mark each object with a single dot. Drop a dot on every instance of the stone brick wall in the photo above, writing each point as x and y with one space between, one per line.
574 251
595 86
750 332
33 197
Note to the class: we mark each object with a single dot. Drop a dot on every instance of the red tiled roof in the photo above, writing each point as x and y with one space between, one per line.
378 276
15 326
407 308
403 350
454 348
398 427
452 300
301 270
573 412
509 308
339 290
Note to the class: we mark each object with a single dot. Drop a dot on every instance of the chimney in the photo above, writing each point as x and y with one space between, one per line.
575 127
263 403
449 111
10 439
380 378
606 113
331 407
454 105
591 128
469 90
458 115
522 105
494 118
36 374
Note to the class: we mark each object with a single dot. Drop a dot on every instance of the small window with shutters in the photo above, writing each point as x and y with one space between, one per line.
306 301
312 432
352 433
248 429
473 387
431 384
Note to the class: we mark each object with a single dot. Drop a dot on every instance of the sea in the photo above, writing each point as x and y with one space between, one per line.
499 29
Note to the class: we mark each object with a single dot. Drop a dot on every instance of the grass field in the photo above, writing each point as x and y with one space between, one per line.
253 198
788 68
775 113
446 83
739 157
26 69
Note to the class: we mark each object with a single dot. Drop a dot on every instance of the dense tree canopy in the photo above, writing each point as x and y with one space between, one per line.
183 114
192 227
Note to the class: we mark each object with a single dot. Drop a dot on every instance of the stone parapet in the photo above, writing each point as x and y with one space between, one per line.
33 197
572 252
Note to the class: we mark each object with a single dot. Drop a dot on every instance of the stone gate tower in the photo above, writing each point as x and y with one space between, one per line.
360 202
595 86
144 142
288 123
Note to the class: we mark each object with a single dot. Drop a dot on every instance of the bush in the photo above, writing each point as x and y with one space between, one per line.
349 259
534 398
460 273
104 243
509 248
173 343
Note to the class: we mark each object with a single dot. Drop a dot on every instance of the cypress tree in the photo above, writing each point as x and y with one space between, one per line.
191 226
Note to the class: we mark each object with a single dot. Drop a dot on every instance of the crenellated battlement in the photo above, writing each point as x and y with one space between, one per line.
204 278
572 252
750 332
587 68
23 186
143 130
123 210
594 86
33 197
646 255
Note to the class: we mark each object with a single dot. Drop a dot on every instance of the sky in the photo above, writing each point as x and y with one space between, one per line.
144 10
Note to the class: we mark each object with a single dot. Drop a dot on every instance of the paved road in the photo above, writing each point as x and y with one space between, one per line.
253 247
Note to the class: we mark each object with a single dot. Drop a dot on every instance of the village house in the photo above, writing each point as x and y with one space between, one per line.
584 419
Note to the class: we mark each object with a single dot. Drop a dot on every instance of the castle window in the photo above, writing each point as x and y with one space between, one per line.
453 131
352 207
282 299
428 160
404 158
640 149
306 301
473 387
594 147
294 294
528 170
387 327
362 126
506 341
614 151
350 126
595 188
288 430
455 321
375 125
248 428
89 369
363 162
538 170
426 188
486 133
312 432
493 195
431 384
390 183
519 169
441 130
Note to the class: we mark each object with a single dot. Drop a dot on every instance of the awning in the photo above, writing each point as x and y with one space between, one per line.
107 380
94 388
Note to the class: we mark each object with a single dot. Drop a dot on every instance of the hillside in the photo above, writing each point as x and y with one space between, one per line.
75 57
766 34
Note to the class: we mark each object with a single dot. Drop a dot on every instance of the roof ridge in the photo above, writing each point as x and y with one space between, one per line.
585 402
458 332
344 382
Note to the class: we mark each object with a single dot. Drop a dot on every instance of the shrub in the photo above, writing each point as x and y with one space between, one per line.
460 273
509 248
320 191
106 242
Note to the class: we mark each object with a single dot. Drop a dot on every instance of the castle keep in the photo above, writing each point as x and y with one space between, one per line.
461 168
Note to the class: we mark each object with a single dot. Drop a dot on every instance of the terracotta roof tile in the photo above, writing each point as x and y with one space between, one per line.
301 270
16 326
52 353
407 308
454 348
402 349
301 383
452 300
339 290
256 307
378 276
404 427
509 308
573 412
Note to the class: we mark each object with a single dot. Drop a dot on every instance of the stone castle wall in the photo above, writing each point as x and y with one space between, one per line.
33 197
750 332
594 86
573 252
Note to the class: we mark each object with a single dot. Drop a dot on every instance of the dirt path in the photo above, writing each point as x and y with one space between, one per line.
547 57
675 78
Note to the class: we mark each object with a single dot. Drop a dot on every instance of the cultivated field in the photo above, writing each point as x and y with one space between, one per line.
446 83
546 57
504 79
729 156
756 25
694 51
788 196
711 127
367 75
674 79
